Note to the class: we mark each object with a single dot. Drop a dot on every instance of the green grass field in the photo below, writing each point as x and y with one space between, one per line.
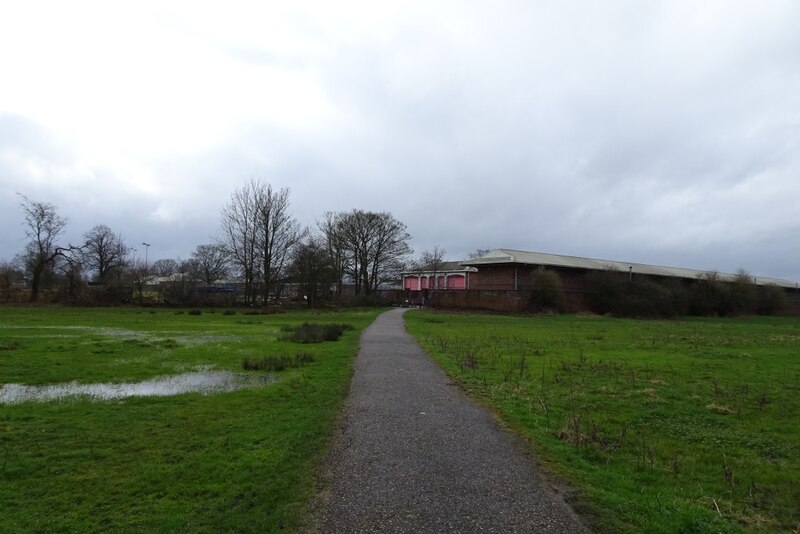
659 426
238 461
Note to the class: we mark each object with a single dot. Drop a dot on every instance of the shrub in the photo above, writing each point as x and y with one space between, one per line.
711 296
303 358
742 293
229 312
771 300
11 345
195 312
677 302
621 294
655 298
277 363
315 332
607 291
547 292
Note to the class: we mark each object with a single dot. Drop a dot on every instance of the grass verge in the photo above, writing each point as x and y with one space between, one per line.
660 426
238 461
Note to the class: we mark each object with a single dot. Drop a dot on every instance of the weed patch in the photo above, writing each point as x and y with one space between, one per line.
10 345
277 363
314 332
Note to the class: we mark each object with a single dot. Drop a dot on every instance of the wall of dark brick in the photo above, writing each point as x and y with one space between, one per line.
471 299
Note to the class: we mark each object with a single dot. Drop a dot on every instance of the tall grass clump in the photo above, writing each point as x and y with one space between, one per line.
277 363
315 332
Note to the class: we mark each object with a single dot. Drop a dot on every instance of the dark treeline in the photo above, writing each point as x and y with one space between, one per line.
261 255
618 293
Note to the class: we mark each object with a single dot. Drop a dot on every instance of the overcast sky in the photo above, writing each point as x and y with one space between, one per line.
663 132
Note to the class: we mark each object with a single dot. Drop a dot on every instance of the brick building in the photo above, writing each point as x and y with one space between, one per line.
449 275
499 279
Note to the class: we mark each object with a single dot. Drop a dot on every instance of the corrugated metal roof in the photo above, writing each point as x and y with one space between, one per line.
503 255
452 266
444 267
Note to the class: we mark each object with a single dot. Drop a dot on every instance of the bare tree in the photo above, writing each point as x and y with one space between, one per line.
164 267
313 268
71 268
259 234
43 226
104 252
278 232
136 273
239 222
378 245
332 227
209 263
478 252
432 261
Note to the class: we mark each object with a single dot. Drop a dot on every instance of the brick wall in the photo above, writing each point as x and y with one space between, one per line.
493 278
502 277
471 299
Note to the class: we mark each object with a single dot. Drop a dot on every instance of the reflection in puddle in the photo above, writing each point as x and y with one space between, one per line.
204 382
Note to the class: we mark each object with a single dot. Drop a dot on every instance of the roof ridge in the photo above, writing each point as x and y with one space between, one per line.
582 262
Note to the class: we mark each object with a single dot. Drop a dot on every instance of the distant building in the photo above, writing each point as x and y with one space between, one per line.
507 280
507 269
450 275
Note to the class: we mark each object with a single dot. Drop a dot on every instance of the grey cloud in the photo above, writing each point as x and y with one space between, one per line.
619 131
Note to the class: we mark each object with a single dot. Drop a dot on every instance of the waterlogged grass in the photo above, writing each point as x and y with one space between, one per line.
660 426
238 461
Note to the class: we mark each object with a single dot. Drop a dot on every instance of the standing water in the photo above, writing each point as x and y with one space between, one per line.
203 382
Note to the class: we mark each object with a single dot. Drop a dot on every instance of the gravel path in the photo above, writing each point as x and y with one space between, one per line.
416 455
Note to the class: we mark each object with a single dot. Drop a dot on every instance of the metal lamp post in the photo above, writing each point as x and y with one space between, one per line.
146 250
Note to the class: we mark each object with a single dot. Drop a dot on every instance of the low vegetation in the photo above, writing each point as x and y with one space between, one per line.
690 425
617 293
277 363
242 461
315 332
547 293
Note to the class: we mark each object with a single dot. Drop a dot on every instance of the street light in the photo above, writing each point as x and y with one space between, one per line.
146 250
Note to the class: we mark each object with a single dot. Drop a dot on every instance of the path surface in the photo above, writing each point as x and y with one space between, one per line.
416 455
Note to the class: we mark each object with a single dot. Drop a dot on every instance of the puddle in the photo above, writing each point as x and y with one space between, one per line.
203 382
179 337
103 330
204 340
